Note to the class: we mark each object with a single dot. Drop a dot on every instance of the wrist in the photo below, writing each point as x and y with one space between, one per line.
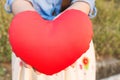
91 3
80 5
20 6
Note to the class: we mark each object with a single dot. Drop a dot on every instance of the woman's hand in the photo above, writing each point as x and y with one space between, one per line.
29 67
24 5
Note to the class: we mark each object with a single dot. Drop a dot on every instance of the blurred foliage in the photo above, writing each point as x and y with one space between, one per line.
106 29
5 50
2 71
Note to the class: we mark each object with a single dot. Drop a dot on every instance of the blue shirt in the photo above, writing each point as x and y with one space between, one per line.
46 7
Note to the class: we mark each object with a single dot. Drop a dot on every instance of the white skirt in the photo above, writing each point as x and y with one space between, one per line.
83 69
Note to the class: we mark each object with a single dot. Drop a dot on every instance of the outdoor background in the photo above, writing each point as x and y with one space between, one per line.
106 26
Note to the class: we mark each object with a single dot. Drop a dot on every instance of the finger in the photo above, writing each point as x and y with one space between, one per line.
38 73
26 65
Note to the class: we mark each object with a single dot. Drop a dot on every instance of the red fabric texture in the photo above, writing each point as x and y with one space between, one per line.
50 46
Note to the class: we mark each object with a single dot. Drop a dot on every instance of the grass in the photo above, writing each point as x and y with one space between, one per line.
5 19
106 30
2 71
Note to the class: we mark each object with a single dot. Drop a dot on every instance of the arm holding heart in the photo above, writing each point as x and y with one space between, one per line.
24 5
21 6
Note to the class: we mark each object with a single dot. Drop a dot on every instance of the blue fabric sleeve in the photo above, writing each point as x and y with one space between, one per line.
8 5
93 10
45 8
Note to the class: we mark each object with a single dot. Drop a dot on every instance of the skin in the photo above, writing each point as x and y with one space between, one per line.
24 5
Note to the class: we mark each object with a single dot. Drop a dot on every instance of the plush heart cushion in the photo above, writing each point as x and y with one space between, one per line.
50 46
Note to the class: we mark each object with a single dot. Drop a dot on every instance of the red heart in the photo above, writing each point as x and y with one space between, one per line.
50 46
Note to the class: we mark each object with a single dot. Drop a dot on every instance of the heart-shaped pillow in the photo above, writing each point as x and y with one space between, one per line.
50 46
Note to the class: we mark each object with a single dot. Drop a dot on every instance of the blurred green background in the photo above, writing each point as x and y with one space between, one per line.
5 50
106 26
107 29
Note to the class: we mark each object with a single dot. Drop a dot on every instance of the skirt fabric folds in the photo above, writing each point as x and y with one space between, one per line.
83 69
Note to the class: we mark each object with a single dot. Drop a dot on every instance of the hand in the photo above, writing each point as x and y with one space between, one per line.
25 65
29 67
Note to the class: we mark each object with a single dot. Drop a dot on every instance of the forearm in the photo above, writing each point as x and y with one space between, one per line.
23 5
20 6
82 6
